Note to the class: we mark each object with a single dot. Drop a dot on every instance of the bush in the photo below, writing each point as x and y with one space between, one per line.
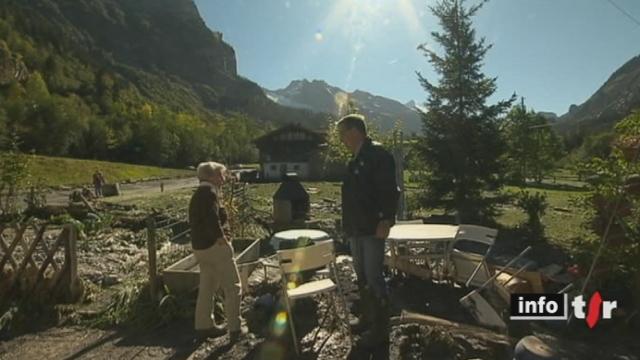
611 205
534 204
14 175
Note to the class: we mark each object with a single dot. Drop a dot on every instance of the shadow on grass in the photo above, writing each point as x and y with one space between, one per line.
556 186
512 240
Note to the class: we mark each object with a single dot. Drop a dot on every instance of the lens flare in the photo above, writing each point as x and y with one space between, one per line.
280 323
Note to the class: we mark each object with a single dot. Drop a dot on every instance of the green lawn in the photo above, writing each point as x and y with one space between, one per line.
56 171
562 220
175 199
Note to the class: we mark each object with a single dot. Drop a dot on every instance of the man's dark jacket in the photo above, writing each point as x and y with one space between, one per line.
206 218
369 191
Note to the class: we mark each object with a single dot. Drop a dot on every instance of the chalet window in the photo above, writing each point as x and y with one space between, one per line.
296 167
273 168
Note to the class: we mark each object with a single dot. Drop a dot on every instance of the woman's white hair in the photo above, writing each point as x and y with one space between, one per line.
208 169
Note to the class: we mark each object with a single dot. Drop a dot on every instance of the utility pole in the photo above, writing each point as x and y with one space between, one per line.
398 154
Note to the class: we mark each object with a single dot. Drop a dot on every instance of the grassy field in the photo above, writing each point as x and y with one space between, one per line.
55 171
562 220
259 195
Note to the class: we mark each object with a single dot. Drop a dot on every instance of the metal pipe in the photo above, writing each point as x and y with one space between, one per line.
475 271
489 280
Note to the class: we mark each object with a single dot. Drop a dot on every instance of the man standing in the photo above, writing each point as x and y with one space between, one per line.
97 184
369 204
213 250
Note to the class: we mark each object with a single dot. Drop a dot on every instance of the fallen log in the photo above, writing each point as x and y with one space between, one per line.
407 317
87 204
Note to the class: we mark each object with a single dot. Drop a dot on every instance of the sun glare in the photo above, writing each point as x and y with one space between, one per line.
359 21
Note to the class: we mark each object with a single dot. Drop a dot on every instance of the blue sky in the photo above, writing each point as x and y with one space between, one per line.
553 52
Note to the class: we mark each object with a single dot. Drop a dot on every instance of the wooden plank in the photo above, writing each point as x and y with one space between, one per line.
43 243
26 247
5 250
476 331
71 263
29 252
58 277
482 311
9 255
151 247
63 234
87 204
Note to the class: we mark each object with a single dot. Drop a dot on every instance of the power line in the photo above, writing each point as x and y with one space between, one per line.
625 12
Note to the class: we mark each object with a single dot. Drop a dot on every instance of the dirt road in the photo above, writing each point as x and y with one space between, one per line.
61 197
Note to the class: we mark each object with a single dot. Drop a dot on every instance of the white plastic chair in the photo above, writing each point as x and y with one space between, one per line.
477 233
318 256
466 262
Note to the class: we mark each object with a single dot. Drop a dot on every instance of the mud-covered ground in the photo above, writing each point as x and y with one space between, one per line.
269 336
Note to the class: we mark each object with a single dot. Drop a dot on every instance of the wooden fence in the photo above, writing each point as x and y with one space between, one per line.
35 262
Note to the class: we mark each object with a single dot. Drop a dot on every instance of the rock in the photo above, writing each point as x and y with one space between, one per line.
573 108
111 189
11 67
533 348
110 280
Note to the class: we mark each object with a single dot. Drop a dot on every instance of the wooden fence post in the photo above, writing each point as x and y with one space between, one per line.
151 247
71 285
72 254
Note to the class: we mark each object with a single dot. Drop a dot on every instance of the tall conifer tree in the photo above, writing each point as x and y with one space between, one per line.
461 142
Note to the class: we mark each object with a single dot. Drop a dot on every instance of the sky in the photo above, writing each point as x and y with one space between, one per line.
554 53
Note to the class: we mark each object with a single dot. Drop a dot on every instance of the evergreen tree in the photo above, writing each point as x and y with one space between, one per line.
533 147
461 142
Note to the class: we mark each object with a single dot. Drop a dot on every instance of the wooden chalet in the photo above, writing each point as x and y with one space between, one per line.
291 148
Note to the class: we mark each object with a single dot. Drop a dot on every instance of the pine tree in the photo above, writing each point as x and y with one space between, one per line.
461 142
533 147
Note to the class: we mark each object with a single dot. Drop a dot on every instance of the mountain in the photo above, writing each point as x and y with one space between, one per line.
318 96
161 48
550 116
138 81
616 99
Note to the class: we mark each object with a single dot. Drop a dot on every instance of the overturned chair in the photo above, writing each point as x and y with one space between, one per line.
319 256
469 259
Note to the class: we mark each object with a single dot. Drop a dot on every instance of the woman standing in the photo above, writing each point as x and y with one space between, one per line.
213 250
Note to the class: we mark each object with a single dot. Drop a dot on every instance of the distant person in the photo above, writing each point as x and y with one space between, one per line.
214 252
369 205
97 183
103 180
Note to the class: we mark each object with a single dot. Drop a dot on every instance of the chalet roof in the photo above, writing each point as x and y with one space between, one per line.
318 136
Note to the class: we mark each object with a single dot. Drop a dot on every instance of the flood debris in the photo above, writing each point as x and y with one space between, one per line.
428 318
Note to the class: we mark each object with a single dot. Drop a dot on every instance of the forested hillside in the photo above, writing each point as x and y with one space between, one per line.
136 81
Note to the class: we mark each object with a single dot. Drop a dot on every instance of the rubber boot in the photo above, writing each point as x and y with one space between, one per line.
363 321
378 333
